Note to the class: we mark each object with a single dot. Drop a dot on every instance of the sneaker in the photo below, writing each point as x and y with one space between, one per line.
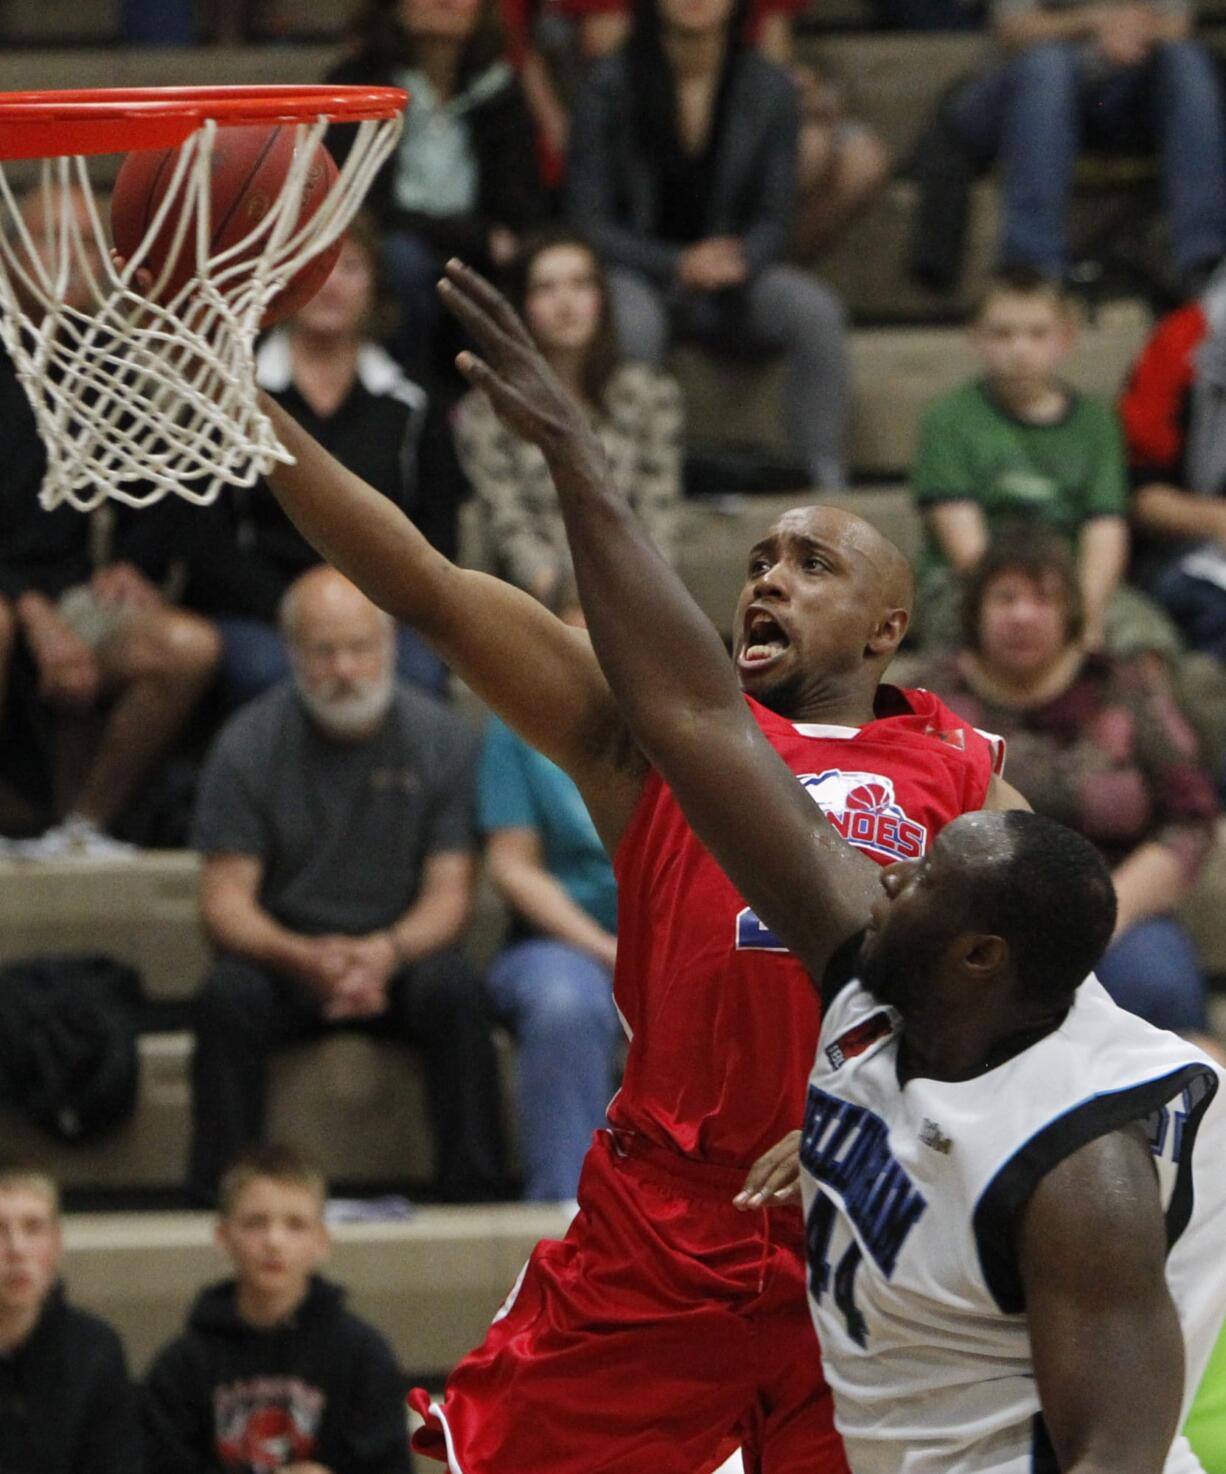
74 839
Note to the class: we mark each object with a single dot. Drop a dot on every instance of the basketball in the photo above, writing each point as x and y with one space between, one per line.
250 166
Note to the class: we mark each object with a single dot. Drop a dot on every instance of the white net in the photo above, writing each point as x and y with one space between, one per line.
134 397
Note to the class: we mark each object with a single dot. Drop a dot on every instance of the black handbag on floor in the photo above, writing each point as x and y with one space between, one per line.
68 1055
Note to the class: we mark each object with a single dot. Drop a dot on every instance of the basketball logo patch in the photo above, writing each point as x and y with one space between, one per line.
856 1041
863 808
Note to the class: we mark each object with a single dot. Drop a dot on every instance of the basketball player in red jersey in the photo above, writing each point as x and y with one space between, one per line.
668 1327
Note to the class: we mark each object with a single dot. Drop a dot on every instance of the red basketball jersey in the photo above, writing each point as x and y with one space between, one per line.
723 1021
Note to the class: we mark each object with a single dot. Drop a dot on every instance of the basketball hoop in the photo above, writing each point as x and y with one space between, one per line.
135 396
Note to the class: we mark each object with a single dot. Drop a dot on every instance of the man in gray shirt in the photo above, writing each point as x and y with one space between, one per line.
1121 75
335 817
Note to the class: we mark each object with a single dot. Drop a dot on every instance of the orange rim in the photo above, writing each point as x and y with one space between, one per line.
43 125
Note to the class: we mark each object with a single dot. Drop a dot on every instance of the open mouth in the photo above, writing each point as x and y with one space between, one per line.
765 639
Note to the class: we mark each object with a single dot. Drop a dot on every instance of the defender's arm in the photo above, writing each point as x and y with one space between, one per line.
1107 1347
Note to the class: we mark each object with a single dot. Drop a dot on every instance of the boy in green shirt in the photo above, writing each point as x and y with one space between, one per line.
1019 443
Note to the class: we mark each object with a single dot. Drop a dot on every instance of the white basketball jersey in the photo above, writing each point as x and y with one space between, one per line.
910 1197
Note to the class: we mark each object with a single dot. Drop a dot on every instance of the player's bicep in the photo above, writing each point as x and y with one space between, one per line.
542 678
1107 1347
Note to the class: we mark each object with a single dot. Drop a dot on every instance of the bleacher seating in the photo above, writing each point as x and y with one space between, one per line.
432 1283
355 1103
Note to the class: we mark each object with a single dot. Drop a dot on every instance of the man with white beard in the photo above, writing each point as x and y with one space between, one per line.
334 816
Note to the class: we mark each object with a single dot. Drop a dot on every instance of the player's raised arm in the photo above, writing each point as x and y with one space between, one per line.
538 673
1108 1351
666 663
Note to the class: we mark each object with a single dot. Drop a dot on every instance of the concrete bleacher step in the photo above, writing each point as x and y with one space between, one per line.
170 66
896 372
48 22
53 22
893 79
142 911
356 1105
431 1284
869 265
148 1151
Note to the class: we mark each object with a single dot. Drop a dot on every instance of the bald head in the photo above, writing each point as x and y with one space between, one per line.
343 653
825 604
322 595
889 569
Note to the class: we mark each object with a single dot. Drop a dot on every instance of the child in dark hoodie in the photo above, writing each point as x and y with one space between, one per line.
272 1372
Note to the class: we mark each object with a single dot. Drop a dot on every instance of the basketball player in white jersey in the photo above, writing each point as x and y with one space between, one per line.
1015 1192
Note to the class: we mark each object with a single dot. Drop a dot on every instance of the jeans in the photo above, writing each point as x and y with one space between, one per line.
244 1013
781 310
1152 970
1197 606
254 657
558 1002
1035 111
159 22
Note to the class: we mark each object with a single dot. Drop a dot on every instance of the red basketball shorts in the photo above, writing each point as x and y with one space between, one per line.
665 1330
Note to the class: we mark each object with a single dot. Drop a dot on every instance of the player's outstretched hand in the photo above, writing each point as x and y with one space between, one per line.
523 389
774 1179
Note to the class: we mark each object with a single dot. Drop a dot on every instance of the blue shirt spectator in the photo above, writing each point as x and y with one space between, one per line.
519 788
552 986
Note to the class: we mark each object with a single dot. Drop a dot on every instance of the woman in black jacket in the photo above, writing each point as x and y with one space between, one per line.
464 180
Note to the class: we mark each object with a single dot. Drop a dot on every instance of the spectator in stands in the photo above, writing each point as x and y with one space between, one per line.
326 368
465 179
841 163
553 985
1175 431
682 173
1097 743
92 599
271 1371
66 1405
1018 442
1124 76
335 818
560 288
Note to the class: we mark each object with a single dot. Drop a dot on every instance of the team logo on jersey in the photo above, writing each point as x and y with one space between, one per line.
265 1423
857 1040
845 1148
862 807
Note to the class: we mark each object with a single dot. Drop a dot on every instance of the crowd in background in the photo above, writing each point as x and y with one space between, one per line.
683 190
634 175
270 1370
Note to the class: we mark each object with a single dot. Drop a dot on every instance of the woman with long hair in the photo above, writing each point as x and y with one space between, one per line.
559 286
464 180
